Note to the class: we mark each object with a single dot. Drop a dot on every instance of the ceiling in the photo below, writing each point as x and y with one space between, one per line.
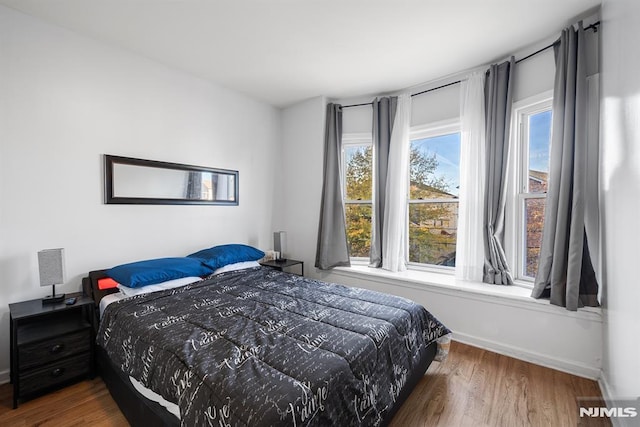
284 51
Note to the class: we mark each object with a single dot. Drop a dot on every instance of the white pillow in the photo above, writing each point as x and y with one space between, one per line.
237 266
169 284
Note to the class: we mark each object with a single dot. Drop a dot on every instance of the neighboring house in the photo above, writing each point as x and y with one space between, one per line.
207 189
441 218
538 181
535 219
433 221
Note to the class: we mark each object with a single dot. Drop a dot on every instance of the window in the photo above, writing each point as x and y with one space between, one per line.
357 161
434 179
533 136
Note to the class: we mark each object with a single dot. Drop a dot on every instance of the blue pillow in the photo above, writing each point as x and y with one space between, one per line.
150 272
219 256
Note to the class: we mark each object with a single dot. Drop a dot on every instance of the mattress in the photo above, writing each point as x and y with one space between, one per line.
262 346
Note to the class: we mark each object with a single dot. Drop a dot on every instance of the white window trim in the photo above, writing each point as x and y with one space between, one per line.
518 182
359 138
430 130
442 127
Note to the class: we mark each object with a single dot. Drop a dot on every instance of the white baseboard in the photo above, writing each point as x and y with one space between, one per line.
605 388
4 376
607 395
530 356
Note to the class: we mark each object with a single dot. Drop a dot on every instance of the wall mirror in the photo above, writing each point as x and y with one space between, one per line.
137 181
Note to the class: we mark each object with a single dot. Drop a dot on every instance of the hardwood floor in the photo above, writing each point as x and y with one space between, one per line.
87 403
473 387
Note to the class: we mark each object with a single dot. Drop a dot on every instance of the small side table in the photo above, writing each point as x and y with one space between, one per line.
51 345
281 264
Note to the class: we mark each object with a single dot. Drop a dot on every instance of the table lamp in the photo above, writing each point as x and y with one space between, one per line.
280 244
51 266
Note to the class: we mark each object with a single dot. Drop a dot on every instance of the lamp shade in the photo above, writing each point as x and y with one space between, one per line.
51 266
280 243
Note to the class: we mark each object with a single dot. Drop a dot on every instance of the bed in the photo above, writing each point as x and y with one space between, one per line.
257 346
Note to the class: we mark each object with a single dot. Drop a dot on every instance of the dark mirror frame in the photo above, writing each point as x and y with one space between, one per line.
110 198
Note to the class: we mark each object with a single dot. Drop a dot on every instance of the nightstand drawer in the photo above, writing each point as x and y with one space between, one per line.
43 352
51 345
55 373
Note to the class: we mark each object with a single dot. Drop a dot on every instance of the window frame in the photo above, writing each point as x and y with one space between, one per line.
516 231
431 130
356 139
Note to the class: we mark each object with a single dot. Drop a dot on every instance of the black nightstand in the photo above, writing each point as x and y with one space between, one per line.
51 345
285 263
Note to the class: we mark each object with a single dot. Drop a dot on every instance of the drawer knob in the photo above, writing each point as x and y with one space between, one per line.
56 348
57 372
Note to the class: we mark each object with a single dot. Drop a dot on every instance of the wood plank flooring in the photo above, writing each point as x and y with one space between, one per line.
473 387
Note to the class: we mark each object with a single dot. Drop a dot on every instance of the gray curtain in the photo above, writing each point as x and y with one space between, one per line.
194 186
384 111
332 250
565 273
498 99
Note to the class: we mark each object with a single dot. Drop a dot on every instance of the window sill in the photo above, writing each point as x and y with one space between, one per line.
446 283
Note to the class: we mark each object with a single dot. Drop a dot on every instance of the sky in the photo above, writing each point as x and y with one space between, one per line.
447 151
539 136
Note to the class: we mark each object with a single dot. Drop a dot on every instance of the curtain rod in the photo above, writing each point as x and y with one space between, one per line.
593 27
439 87
414 94
538 51
357 105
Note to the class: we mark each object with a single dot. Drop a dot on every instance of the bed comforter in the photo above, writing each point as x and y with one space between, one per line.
262 348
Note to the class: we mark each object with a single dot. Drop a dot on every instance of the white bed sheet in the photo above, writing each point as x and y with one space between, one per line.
108 299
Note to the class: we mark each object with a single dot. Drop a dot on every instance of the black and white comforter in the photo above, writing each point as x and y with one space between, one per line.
259 348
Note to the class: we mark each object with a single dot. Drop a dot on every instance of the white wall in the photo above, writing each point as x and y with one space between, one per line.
620 131
534 75
64 101
299 178
517 326
435 106
552 336
357 119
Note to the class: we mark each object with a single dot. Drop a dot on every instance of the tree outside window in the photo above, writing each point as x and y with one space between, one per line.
433 204
434 173
358 186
